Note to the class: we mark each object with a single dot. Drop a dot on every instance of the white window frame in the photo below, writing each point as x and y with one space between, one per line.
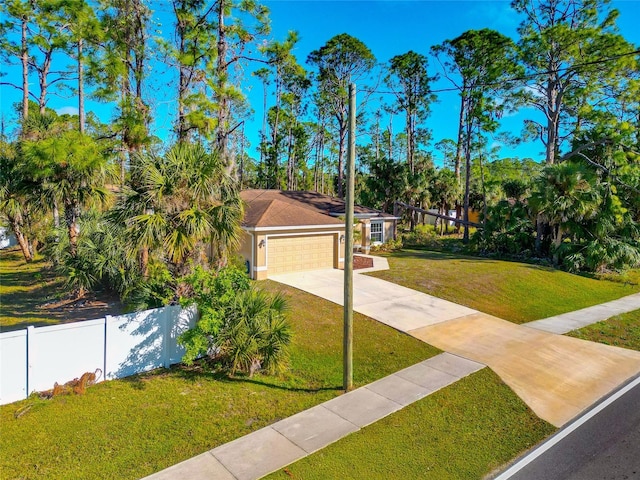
374 226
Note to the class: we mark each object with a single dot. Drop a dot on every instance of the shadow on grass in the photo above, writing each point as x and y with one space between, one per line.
427 254
255 381
196 373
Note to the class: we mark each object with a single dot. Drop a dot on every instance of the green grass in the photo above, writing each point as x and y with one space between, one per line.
464 431
620 331
23 287
514 291
32 294
133 427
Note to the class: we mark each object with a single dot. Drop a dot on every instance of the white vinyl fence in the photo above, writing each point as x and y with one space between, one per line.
35 358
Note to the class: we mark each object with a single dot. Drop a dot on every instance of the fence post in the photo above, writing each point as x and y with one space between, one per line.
106 346
30 352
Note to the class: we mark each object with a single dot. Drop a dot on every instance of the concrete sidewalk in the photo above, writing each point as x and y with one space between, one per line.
271 448
581 318
556 376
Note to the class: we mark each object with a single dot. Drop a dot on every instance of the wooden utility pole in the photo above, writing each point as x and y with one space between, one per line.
348 246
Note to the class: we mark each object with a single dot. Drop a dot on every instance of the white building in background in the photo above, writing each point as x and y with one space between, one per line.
7 238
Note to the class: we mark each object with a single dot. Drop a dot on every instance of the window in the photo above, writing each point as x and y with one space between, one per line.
377 232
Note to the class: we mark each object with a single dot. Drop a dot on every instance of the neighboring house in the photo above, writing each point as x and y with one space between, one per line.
287 231
474 216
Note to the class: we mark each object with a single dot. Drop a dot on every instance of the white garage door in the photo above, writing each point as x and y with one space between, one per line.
296 253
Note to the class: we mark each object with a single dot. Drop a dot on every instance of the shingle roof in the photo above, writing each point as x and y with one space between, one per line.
292 208
276 213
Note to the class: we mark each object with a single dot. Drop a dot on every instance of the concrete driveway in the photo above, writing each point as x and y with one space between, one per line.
557 376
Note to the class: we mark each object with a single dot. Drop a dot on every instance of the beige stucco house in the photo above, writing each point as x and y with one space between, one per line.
287 231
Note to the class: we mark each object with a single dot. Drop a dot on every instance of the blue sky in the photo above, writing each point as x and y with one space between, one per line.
387 27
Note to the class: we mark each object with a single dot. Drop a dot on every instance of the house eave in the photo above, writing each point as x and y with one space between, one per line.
295 227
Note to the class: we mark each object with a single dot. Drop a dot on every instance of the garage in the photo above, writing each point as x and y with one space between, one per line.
300 252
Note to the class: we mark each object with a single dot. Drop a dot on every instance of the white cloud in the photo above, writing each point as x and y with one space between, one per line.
67 111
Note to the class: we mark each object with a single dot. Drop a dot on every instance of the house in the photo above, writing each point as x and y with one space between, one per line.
288 231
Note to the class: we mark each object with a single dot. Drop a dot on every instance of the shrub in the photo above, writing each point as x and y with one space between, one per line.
240 327
388 246
422 236
508 229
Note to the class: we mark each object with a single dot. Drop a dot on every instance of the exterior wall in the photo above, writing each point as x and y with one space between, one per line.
246 249
365 241
339 250
389 230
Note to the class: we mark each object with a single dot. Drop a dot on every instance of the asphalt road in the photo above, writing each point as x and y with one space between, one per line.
604 447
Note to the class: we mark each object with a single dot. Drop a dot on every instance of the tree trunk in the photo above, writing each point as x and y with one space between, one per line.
391 137
274 134
56 214
557 241
264 123
81 119
16 227
25 70
144 262
377 138
554 100
71 216
539 233
224 106
467 184
484 190
341 153
458 160
409 127
290 161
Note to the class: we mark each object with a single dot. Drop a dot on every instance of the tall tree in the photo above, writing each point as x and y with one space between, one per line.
17 15
478 63
343 59
74 165
122 69
409 80
572 50
240 23
193 54
285 69
84 34
263 74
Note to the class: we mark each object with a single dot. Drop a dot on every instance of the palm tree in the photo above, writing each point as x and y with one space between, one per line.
71 167
13 199
255 334
178 203
444 192
564 196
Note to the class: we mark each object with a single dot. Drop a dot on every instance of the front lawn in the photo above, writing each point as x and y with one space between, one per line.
464 431
514 291
133 427
620 331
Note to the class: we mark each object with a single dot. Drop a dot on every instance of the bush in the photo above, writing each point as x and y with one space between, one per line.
240 327
422 236
388 246
508 229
